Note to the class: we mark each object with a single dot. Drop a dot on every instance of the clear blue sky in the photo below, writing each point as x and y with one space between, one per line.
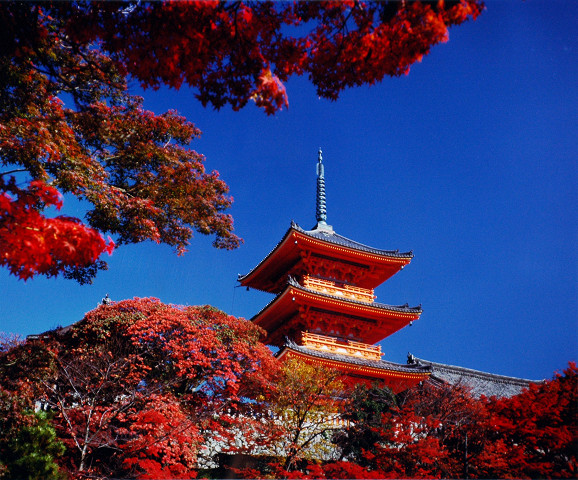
470 161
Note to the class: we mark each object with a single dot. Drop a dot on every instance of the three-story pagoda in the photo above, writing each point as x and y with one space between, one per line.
325 310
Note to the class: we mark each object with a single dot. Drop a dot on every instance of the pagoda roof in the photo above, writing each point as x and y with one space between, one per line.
286 257
479 383
382 320
329 235
398 376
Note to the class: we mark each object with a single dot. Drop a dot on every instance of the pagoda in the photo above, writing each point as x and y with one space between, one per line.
324 311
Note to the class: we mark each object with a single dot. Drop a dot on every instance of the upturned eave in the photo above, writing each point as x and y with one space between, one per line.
286 259
285 311
398 377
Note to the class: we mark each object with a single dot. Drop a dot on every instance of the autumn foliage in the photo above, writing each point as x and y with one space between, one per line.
309 399
140 389
31 243
235 52
538 430
435 431
69 124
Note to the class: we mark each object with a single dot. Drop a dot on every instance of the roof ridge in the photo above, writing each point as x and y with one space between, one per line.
472 372
327 234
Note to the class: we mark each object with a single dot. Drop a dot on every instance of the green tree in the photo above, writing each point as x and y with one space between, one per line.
34 451
29 446
365 410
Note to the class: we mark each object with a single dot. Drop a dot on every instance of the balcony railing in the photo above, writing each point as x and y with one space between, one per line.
347 347
348 291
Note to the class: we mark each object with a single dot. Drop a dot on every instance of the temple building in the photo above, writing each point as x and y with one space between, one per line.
325 311
478 383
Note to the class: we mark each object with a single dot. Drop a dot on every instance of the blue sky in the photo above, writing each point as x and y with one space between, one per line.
470 161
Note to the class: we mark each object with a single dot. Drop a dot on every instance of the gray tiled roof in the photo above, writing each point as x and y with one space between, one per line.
328 235
380 364
479 383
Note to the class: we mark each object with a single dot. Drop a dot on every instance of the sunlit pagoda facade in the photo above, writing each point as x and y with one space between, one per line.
325 311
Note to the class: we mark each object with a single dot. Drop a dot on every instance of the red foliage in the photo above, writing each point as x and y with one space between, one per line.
163 441
141 389
139 386
240 51
31 243
348 470
537 431
442 432
134 167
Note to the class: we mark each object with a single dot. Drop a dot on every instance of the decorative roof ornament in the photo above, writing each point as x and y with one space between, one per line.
321 208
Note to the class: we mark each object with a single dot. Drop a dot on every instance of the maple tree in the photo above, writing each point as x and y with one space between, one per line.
306 411
141 389
137 387
244 51
28 442
34 244
430 432
441 431
307 405
537 431
68 123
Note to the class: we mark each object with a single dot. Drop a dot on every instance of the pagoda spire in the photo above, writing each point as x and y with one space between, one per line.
321 210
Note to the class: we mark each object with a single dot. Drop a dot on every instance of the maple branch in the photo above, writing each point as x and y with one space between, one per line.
16 170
